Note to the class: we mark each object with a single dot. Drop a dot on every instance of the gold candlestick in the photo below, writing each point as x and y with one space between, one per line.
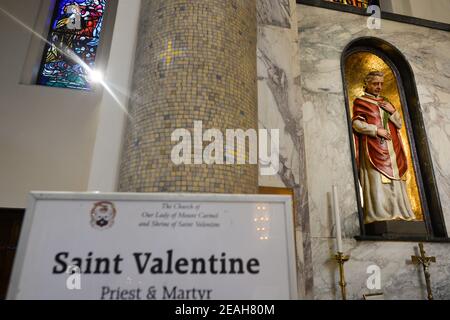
341 258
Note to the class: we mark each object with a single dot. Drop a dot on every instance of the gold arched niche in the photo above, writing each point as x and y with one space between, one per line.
357 66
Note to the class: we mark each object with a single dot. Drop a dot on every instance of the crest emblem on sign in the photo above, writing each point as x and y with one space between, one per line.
102 215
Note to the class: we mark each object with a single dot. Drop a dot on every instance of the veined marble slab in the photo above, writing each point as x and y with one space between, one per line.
275 12
279 108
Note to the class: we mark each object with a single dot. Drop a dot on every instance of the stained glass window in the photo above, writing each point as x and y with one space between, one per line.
355 3
73 41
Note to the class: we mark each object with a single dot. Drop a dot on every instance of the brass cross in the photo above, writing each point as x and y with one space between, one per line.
169 55
425 262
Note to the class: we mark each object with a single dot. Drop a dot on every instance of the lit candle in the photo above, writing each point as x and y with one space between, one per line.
337 219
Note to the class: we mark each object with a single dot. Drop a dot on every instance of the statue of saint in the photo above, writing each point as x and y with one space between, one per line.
380 154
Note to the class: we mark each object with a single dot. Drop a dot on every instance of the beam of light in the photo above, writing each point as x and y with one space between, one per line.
96 76
72 56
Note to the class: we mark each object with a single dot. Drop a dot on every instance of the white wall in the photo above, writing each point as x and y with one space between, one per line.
47 135
106 156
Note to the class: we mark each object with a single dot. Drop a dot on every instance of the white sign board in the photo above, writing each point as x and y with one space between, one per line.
156 246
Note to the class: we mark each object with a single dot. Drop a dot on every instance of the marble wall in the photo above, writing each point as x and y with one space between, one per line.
322 36
278 105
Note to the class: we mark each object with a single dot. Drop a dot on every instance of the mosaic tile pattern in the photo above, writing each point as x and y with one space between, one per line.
195 60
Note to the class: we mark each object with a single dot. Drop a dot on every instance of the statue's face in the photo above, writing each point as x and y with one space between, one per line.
375 85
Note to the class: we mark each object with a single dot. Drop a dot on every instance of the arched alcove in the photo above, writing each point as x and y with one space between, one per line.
371 53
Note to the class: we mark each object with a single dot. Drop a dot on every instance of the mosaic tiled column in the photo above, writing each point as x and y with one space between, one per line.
195 61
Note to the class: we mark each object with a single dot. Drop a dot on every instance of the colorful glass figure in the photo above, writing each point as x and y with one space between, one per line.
73 41
354 3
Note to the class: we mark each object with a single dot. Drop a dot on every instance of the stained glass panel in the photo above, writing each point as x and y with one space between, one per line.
73 40
354 3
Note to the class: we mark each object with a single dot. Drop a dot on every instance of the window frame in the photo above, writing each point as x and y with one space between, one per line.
103 48
384 14
338 6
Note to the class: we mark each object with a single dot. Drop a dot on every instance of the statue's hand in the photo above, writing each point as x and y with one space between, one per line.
388 107
382 133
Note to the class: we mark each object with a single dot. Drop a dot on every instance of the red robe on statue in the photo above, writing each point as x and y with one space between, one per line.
367 109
